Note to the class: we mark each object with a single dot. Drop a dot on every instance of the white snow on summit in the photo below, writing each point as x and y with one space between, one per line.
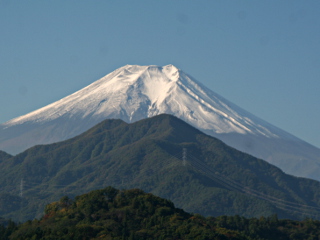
134 92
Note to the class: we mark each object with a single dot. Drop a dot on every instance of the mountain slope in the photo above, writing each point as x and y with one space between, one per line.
211 178
136 92
4 156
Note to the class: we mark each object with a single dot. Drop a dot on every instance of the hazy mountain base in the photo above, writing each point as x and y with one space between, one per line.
297 158
18 139
132 214
148 155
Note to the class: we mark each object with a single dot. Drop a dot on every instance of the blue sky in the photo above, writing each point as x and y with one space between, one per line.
263 56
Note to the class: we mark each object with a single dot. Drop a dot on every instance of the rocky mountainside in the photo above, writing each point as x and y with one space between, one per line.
136 92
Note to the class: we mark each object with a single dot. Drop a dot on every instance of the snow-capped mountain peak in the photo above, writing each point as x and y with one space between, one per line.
134 92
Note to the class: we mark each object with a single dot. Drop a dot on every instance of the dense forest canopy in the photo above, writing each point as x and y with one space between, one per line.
133 214
213 180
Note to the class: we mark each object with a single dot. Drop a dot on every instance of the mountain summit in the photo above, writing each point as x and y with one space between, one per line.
135 92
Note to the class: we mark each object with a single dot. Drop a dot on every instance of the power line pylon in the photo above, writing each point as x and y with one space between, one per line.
21 188
184 157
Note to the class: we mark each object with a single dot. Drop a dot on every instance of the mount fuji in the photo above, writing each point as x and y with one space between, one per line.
136 92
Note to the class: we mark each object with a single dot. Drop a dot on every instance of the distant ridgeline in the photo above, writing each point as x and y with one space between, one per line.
132 214
162 155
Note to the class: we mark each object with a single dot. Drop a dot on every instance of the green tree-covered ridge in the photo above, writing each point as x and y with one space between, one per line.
132 214
4 156
216 179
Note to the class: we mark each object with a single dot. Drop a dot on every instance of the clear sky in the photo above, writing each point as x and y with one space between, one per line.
263 56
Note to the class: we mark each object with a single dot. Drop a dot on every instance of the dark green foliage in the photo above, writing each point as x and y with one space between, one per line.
7 228
148 155
10 203
4 156
133 214
115 214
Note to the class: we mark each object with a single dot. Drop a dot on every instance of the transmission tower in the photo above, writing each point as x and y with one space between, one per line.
21 195
184 156
21 187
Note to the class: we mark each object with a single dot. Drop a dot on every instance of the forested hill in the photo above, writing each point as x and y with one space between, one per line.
162 155
132 214
4 156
